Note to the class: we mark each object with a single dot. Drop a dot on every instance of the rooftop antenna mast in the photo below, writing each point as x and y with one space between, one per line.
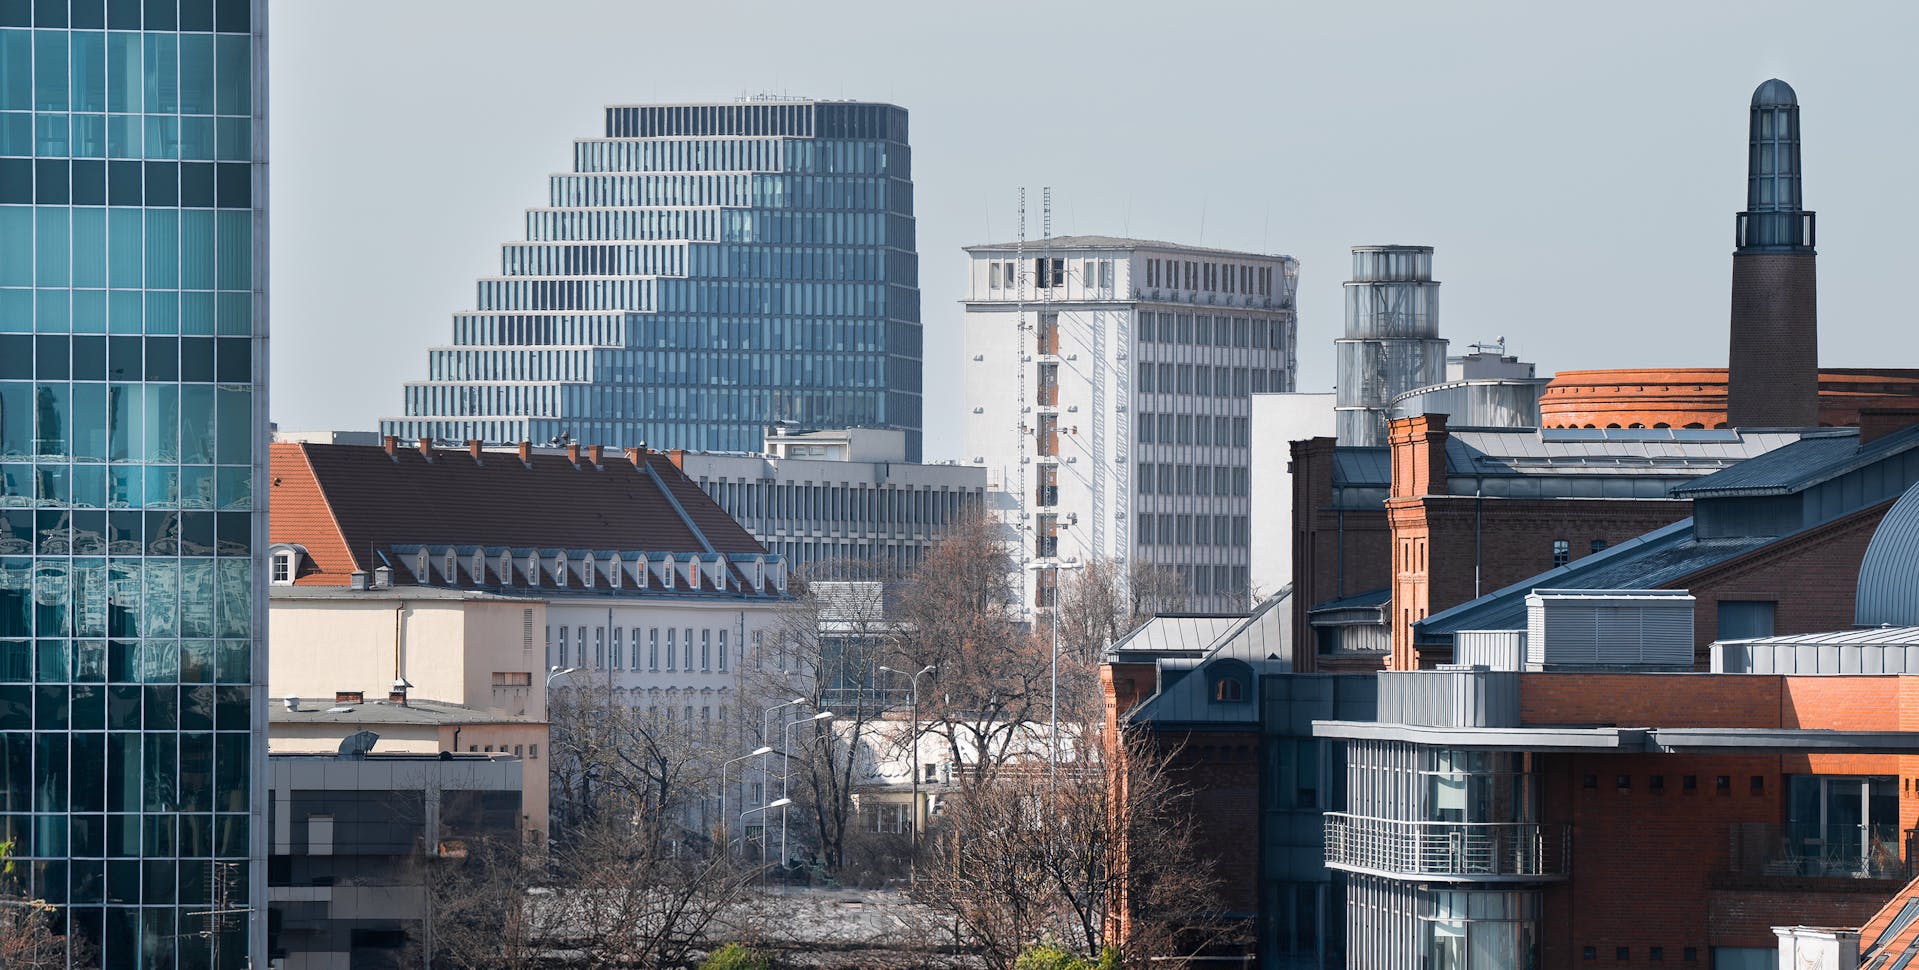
1020 358
221 877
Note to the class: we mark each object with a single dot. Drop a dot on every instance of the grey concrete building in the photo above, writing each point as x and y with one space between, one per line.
347 832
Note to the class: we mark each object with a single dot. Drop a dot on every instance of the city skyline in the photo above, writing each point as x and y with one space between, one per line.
1513 224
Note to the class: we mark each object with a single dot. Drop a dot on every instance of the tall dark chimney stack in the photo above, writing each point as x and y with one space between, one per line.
1773 373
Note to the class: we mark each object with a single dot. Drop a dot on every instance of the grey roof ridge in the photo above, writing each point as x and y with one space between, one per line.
1537 580
1865 454
1214 651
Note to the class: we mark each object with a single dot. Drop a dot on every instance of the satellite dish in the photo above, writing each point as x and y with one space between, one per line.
357 744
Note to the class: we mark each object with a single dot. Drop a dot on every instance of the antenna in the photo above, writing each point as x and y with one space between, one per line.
221 878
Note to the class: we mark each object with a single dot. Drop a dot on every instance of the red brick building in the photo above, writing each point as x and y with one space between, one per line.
1695 397
1773 545
1639 819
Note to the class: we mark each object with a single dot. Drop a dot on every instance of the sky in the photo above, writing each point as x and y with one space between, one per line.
1576 166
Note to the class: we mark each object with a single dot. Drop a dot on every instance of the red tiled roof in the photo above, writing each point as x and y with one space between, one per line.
1901 917
342 501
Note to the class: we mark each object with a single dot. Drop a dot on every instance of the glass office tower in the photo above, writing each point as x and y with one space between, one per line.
703 271
132 411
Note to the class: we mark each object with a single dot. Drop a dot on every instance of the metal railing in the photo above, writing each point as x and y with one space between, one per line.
1464 850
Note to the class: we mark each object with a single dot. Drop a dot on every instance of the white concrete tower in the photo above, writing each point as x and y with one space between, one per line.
1108 385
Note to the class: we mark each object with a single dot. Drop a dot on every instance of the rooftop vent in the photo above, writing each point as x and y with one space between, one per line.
293 703
1584 629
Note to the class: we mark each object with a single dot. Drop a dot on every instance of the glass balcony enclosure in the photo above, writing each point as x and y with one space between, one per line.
1444 813
1842 826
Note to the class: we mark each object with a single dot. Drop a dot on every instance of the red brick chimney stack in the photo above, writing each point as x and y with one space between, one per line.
1875 423
392 445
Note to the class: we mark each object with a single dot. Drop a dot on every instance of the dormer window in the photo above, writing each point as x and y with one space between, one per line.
283 563
1230 682
587 568
559 570
452 569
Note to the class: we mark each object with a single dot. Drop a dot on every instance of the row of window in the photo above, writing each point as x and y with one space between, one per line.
1655 953
858 260
126 248
853 192
732 155
151 596
1051 273
160 312
1180 479
1193 429
1206 330
117 486
1210 276
162 139
769 505
612 655
1721 784
1183 529
130 73
226 16
1204 381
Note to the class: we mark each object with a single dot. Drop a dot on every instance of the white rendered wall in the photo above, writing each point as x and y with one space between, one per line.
1101 444
1278 421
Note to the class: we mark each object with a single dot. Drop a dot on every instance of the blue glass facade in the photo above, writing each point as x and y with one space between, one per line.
132 411
702 271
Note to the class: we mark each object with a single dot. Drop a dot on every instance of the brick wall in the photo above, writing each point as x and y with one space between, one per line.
1773 364
1335 552
1222 767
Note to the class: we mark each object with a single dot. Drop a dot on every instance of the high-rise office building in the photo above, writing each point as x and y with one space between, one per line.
704 270
1110 387
132 424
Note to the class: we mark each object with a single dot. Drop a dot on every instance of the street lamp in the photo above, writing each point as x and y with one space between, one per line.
786 770
725 827
766 734
557 671
913 860
781 805
1052 738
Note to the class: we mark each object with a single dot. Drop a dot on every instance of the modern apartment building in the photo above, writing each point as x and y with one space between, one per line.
815 497
133 332
703 270
1109 383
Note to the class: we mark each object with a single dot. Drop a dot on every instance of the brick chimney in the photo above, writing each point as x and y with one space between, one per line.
573 454
1876 423
473 448
1419 455
392 445
637 456
594 452
526 452
426 448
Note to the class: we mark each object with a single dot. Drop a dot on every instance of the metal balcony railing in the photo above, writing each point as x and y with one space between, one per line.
1465 851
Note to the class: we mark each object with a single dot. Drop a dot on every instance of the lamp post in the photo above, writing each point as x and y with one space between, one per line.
781 805
913 859
726 823
766 734
786 770
1052 737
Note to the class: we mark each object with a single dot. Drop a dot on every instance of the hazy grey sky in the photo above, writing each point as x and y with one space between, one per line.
1577 166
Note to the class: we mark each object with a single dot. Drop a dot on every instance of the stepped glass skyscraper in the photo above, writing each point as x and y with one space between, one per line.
132 410
705 270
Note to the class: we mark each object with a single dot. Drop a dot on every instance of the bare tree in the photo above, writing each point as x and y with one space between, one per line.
30 935
1109 599
1100 855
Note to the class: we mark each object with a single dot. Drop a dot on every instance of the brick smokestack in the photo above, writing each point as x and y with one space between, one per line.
1773 372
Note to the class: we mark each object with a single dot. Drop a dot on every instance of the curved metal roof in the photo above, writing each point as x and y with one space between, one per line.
1889 575
1774 93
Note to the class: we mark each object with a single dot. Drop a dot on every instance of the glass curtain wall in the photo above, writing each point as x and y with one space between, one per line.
132 356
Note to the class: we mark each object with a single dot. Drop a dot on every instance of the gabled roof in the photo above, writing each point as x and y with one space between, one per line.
1174 634
1818 457
1258 644
350 505
1893 931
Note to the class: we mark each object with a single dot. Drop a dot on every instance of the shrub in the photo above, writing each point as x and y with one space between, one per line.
736 957
1052 956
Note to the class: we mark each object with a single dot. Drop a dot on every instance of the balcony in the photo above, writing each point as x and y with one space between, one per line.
1450 851
1047 495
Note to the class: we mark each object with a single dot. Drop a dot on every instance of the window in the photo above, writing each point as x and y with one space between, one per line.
1656 783
1744 619
1598 545
1656 953
652 649
512 678
283 569
562 662
722 665
1622 953
706 650
1722 784
1588 953
599 647
689 651
1689 782
672 646
1562 552
619 651
1590 781
992 275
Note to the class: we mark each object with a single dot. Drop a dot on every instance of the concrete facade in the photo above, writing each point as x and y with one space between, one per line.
1278 420
1109 386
